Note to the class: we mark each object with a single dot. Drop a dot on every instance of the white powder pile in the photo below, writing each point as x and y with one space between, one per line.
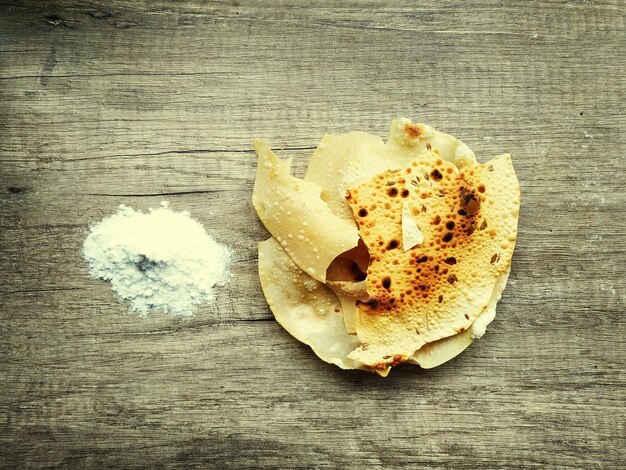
161 259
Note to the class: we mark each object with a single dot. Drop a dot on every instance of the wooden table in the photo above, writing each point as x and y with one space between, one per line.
103 103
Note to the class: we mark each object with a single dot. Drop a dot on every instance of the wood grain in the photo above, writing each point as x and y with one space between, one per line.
103 103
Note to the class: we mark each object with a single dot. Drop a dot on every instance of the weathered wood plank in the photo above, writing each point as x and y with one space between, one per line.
103 103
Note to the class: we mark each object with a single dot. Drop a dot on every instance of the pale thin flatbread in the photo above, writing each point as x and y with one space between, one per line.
350 312
305 307
293 212
411 234
408 140
437 289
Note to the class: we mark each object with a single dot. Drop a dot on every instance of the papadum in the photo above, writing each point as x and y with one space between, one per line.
386 252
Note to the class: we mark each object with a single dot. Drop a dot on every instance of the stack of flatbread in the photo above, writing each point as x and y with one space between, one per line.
386 252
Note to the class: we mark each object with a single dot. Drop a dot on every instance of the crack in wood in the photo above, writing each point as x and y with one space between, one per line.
178 329
121 74
186 151
172 193
37 291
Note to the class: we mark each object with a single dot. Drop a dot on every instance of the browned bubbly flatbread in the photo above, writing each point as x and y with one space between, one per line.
437 288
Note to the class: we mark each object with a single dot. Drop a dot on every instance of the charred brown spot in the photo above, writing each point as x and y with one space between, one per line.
469 202
426 177
392 300
422 287
440 299
429 146
495 258
462 212
390 183
447 237
392 244
337 310
362 212
422 259
413 131
386 282
472 206
370 304
450 225
483 226
481 188
451 260
423 208
436 220
452 279
393 192
436 268
405 193
397 359
436 174
466 316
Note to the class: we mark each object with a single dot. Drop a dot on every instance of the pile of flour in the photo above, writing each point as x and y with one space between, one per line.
160 259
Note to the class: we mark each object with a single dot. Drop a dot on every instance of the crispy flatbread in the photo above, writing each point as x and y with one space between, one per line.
343 161
305 307
293 212
316 241
411 234
438 288
438 352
